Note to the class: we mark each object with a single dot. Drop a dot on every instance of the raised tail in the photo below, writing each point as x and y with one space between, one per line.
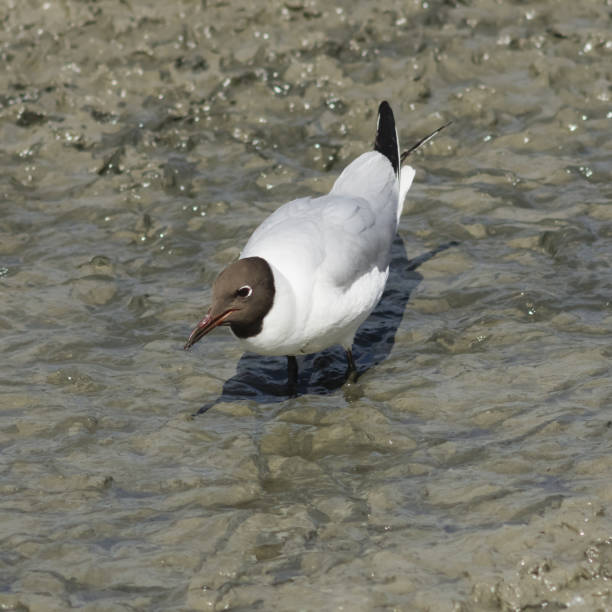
387 143
386 136
368 176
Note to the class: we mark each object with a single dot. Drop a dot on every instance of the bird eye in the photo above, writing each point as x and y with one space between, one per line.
244 292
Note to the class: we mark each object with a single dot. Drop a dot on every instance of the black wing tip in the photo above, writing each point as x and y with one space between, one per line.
384 107
386 135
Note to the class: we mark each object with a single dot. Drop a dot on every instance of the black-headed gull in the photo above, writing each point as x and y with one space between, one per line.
314 270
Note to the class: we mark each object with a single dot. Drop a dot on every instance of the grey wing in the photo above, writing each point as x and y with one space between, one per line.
357 240
340 237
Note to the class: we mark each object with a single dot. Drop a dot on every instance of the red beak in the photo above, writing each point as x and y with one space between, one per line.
208 323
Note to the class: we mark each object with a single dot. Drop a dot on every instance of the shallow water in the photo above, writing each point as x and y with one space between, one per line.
469 466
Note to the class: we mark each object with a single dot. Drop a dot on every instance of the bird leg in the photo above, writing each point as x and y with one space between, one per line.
351 370
292 375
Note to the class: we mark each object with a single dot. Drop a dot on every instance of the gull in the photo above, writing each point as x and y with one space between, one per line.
314 270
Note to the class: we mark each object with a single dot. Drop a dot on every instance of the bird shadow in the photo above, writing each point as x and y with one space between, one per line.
264 379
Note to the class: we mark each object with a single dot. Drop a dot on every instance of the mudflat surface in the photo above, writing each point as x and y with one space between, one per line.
469 466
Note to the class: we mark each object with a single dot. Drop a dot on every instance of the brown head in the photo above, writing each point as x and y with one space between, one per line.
242 296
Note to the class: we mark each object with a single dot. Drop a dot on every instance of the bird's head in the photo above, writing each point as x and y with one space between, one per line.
243 294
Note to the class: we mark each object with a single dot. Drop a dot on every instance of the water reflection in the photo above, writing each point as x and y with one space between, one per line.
264 379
